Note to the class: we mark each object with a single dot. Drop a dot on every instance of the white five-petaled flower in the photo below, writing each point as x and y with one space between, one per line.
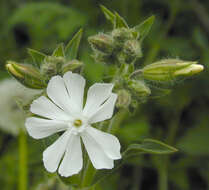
64 112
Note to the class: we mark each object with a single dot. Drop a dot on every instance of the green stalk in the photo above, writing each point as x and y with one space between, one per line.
23 173
165 160
162 176
89 171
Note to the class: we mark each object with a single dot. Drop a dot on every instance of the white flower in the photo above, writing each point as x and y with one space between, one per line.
64 112
12 118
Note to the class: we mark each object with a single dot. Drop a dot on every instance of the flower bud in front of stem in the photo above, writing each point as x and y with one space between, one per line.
169 69
71 66
102 42
139 88
132 48
52 66
124 99
122 34
26 75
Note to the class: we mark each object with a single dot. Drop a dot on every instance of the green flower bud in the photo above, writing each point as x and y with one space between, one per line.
103 58
124 99
25 74
102 42
139 88
189 71
71 66
132 48
168 69
122 34
52 66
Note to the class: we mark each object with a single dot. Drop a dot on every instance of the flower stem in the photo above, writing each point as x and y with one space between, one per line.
116 121
88 174
23 173
163 177
165 160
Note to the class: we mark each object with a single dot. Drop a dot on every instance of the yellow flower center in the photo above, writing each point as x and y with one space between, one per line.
77 123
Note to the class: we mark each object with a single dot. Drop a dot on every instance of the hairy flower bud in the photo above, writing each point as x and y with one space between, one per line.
25 74
124 99
71 66
122 34
102 42
132 48
51 66
168 69
139 88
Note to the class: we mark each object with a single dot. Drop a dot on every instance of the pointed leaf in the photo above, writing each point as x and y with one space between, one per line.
120 22
149 146
37 56
59 51
144 27
71 49
108 14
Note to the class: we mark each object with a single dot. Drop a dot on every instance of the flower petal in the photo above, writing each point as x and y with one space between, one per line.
96 154
75 84
45 108
97 94
53 154
40 128
106 110
72 162
57 92
109 143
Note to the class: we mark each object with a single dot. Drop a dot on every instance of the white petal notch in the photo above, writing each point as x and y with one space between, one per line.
64 112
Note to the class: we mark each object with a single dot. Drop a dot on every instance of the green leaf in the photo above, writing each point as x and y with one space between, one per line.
149 146
144 27
37 56
120 22
59 51
108 14
71 49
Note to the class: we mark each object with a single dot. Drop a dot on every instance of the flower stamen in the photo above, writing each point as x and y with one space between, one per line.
77 123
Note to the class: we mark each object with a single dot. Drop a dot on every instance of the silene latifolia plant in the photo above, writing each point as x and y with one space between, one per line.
85 151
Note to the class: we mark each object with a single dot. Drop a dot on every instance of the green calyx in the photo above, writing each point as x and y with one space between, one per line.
26 75
168 69
117 47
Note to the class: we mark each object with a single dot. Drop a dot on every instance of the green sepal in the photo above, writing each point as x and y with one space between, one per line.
26 75
71 66
120 22
126 69
144 27
71 50
37 57
108 14
59 51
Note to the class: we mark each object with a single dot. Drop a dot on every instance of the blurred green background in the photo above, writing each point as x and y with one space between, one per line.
181 119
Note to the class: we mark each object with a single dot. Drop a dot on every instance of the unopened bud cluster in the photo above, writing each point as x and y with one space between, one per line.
37 78
119 46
